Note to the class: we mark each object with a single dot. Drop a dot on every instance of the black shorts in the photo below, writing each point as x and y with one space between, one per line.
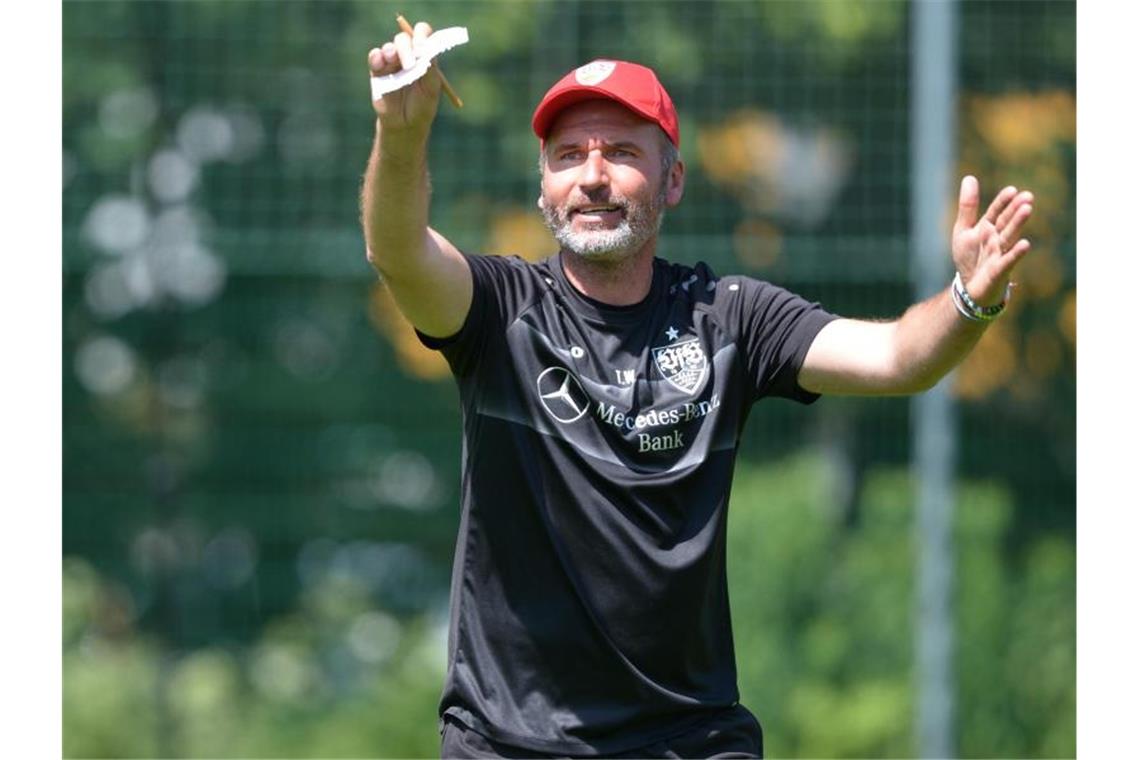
735 732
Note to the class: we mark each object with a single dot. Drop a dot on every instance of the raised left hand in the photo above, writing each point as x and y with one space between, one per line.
985 251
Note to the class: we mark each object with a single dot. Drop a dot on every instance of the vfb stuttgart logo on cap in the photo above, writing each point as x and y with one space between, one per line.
682 364
594 72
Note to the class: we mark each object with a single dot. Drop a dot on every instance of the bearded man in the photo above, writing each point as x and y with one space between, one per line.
604 391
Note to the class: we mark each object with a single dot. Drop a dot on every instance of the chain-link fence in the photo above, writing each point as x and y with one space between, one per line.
261 464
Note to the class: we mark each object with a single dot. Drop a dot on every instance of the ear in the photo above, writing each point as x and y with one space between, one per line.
675 184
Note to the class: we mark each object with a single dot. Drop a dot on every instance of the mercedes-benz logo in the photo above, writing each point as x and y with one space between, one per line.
562 394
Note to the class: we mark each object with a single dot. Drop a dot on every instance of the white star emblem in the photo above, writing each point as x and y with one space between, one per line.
671 333
563 393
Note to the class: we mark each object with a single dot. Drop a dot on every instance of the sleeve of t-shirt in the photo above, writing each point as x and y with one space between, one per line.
777 328
499 285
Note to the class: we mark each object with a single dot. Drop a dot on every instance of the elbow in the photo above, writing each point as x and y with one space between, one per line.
392 262
373 260
924 383
913 370
371 257
921 380
378 246
378 255
909 377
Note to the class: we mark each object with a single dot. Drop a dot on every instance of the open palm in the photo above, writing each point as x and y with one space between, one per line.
986 250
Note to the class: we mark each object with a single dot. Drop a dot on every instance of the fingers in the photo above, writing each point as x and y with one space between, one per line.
1007 213
988 278
1019 249
383 60
1000 202
401 50
967 203
404 50
1015 204
1011 229
420 32
997 242
1003 267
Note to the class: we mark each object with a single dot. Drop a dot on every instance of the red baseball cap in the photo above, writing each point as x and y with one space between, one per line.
631 84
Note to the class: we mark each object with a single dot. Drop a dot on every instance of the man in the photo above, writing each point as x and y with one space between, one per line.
604 392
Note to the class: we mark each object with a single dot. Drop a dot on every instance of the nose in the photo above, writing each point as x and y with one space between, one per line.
594 173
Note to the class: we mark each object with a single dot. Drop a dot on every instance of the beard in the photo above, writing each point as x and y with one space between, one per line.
641 220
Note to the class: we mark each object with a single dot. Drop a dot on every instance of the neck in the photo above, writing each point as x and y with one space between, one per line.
618 283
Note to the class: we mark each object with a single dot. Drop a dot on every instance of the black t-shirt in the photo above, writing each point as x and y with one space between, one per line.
589 602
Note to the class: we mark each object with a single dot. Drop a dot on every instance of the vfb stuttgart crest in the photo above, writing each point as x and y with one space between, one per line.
683 364
594 72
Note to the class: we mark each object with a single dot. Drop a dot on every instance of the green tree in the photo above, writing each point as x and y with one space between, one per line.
825 648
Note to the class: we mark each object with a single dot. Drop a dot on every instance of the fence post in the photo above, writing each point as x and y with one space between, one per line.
933 101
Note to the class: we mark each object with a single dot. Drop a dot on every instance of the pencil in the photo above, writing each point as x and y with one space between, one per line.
451 94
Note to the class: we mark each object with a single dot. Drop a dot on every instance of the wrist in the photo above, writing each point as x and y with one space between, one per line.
402 136
969 309
401 150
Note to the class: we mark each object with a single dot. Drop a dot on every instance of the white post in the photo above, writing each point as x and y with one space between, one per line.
933 101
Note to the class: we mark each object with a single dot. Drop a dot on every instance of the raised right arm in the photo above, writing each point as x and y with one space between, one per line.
427 275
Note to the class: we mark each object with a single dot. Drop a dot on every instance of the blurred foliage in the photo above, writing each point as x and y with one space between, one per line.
336 677
823 619
261 462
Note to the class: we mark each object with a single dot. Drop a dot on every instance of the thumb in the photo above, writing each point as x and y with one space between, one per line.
967 203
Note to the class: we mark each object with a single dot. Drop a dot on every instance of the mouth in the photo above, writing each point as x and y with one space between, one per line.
599 212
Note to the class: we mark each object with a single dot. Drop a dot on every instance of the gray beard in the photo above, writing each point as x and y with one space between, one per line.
639 225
